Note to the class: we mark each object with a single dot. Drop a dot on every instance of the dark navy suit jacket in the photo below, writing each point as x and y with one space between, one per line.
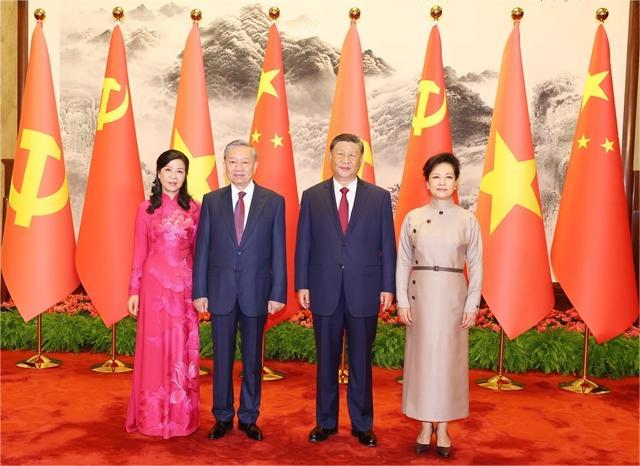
252 272
365 258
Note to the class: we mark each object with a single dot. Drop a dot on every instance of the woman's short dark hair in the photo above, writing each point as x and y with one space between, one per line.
445 157
184 199
346 137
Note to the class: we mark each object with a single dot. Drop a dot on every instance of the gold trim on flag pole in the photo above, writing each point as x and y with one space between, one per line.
343 370
268 374
196 15
113 365
436 12
583 385
274 13
39 360
500 382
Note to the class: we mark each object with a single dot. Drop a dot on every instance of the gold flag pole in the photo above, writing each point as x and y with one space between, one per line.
39 360
268 374
343 370
499 381
584 385
113 365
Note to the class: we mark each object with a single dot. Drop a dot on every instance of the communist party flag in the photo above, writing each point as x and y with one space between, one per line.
430 131
350 114
191 133
517 281
114 191
276 170
39 241
591 253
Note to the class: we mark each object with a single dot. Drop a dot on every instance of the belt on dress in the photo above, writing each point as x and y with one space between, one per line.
436 268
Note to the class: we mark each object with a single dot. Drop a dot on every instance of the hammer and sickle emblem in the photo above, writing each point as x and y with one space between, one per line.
421 120
26 202
104 117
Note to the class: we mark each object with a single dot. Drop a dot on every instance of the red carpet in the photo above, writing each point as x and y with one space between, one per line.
70 415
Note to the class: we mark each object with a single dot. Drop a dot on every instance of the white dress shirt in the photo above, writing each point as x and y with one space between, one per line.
351 195
247 198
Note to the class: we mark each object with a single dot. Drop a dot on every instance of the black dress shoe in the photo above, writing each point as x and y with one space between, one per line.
422 447
320 434
444 452
252 431
365 437
219 429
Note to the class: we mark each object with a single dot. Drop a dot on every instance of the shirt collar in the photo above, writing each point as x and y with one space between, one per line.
248 190
351 186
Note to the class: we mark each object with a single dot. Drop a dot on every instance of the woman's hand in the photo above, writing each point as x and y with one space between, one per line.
468 319
132 305
404 314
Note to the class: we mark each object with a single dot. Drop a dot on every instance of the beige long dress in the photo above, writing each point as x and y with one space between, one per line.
436 360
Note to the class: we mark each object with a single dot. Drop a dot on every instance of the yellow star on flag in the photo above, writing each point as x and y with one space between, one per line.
266 84
582 142
607 146
255 136
509 184
277 141
592 88
200 168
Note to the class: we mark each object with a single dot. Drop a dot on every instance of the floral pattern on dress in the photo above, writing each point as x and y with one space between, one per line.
165 390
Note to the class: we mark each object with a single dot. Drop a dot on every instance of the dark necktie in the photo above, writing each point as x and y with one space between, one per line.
238 216
343 210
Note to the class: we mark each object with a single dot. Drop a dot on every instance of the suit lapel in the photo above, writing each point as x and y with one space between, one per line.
358 205
227 213
257 204
330 199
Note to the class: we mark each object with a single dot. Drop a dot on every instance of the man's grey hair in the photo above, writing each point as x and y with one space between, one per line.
240 143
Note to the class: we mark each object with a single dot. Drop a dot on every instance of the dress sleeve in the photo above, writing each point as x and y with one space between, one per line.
474 267
140 248
403 265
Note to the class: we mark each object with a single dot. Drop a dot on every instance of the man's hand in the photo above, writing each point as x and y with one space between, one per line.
201 304
385 300
304 299
132 305
274 306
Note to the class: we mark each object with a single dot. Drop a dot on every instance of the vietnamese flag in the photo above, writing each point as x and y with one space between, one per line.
592 254
517 281
114 191
350 114
39 242
191 133
430 131
271 137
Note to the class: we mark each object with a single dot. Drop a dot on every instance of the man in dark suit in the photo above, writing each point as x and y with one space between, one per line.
345 271
239 275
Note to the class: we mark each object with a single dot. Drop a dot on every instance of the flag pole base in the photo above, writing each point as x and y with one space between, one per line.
499 383
204 371
400 380
584 386
39 361
270 375
343 376
112 366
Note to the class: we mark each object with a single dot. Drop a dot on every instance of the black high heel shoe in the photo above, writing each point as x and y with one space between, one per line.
443 452
424 447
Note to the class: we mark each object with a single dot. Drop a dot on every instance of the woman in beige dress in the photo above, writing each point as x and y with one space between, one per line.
437 305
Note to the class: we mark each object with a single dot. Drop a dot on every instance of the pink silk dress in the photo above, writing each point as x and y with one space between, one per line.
165 399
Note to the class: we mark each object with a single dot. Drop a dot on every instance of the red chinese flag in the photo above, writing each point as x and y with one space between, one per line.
591 253
430 131
114 191
39 241
191 133
517 281
276 169
350 114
